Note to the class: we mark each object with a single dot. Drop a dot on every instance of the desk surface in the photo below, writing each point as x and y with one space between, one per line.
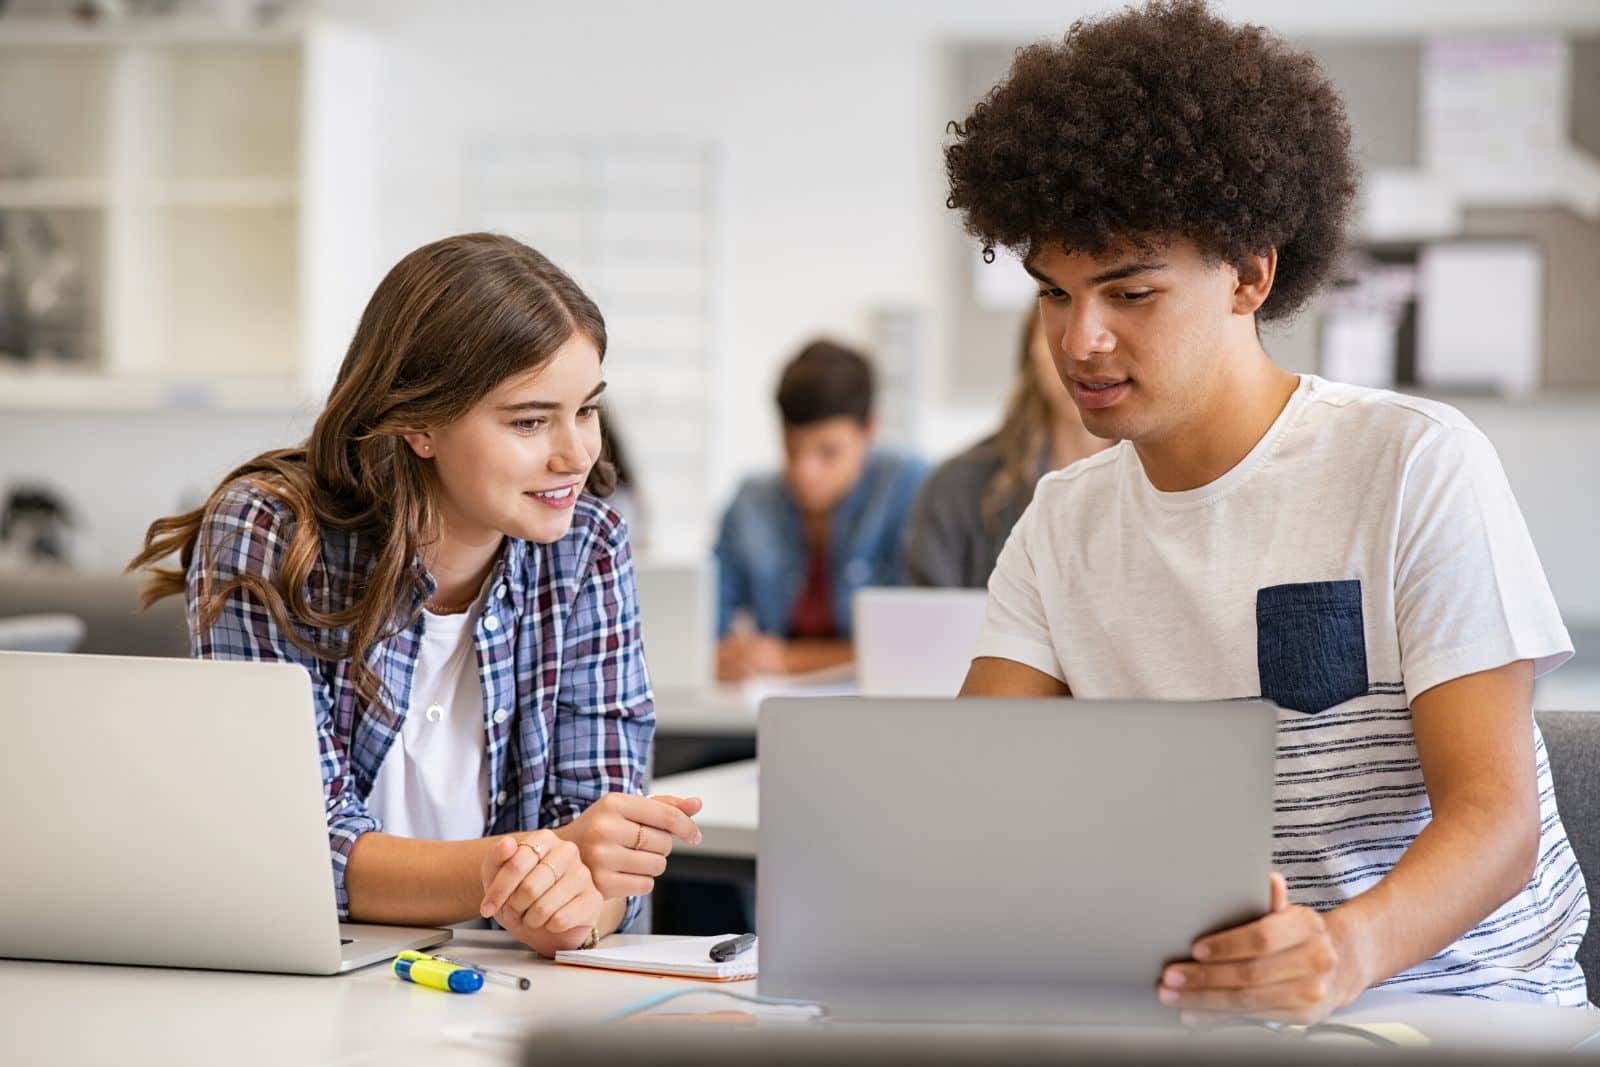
708 711
77 1013
82 1014
730 710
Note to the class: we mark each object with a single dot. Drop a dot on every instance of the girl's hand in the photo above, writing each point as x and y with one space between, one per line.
624 840
537 886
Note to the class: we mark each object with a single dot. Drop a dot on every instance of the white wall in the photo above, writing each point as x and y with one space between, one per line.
1551 453
830 118
829 113
123 471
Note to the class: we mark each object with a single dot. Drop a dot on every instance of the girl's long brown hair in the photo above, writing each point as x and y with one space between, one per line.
1023 437
448 324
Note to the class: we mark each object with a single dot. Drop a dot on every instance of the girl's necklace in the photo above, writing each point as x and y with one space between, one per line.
449 609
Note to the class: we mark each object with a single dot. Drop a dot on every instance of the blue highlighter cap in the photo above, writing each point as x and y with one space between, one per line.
465 980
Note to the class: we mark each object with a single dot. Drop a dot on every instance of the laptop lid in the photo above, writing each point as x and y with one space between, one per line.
999 859
916 642
163 811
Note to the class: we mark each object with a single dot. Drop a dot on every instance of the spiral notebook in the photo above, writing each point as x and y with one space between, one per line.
680 957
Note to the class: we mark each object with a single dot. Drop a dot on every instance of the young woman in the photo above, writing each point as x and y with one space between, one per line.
438 559
969 504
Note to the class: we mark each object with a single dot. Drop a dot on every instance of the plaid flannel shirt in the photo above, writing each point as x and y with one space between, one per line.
569 714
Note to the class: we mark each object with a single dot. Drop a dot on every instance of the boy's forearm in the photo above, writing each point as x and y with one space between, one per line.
1457 872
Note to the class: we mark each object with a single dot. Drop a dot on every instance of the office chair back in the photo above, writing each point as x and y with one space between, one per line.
1572 739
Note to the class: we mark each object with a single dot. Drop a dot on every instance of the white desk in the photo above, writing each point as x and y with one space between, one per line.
55 1013
62 1013
715 710
708 711
732 805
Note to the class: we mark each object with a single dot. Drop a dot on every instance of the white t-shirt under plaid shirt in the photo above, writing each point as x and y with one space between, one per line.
1366 550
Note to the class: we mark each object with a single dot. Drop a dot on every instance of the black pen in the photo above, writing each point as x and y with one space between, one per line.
723 951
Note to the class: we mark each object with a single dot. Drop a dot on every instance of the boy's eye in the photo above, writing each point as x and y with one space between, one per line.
1052 294
588 411
1133 296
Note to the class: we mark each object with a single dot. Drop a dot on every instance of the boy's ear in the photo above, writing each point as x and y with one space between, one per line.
1256 275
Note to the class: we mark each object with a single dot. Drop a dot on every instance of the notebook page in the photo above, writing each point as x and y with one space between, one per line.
687 957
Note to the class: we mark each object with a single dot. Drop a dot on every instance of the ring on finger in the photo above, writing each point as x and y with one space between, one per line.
538 853
638 838
555 875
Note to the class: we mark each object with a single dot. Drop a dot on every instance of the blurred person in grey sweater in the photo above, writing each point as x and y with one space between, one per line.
968 505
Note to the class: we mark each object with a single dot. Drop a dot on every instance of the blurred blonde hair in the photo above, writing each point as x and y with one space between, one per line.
1023 438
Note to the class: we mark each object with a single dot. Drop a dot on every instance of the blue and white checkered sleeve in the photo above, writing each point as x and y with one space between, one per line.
605 713
242 542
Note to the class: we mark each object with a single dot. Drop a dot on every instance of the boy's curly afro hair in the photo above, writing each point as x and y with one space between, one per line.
1159 123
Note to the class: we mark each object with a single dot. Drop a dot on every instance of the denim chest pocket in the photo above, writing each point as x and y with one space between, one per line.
1311 646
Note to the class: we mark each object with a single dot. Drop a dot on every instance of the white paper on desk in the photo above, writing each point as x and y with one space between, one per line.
683 957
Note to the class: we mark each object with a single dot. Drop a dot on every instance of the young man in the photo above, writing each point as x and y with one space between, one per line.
794 548
1355 556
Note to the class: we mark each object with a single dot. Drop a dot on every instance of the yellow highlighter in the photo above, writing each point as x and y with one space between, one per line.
422 969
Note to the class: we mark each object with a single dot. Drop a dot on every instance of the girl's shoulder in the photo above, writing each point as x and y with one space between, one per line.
254 520
253 507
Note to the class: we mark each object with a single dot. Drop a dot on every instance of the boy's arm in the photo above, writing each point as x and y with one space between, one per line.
1474 739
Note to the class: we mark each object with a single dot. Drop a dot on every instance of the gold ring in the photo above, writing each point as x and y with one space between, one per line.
555 875
538 855
638 838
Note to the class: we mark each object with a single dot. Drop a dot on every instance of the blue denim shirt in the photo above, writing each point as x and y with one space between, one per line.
761 553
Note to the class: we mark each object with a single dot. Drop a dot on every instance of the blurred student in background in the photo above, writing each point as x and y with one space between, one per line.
794 547
969 504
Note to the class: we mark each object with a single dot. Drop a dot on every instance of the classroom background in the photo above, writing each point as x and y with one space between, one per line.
197 198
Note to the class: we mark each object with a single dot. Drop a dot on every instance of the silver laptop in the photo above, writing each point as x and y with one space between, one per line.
915 642
169 812
675 623
1004 860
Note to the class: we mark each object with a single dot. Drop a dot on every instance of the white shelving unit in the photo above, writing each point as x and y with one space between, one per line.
211 187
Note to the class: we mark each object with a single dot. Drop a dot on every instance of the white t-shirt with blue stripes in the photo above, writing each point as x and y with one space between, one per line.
1367 549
